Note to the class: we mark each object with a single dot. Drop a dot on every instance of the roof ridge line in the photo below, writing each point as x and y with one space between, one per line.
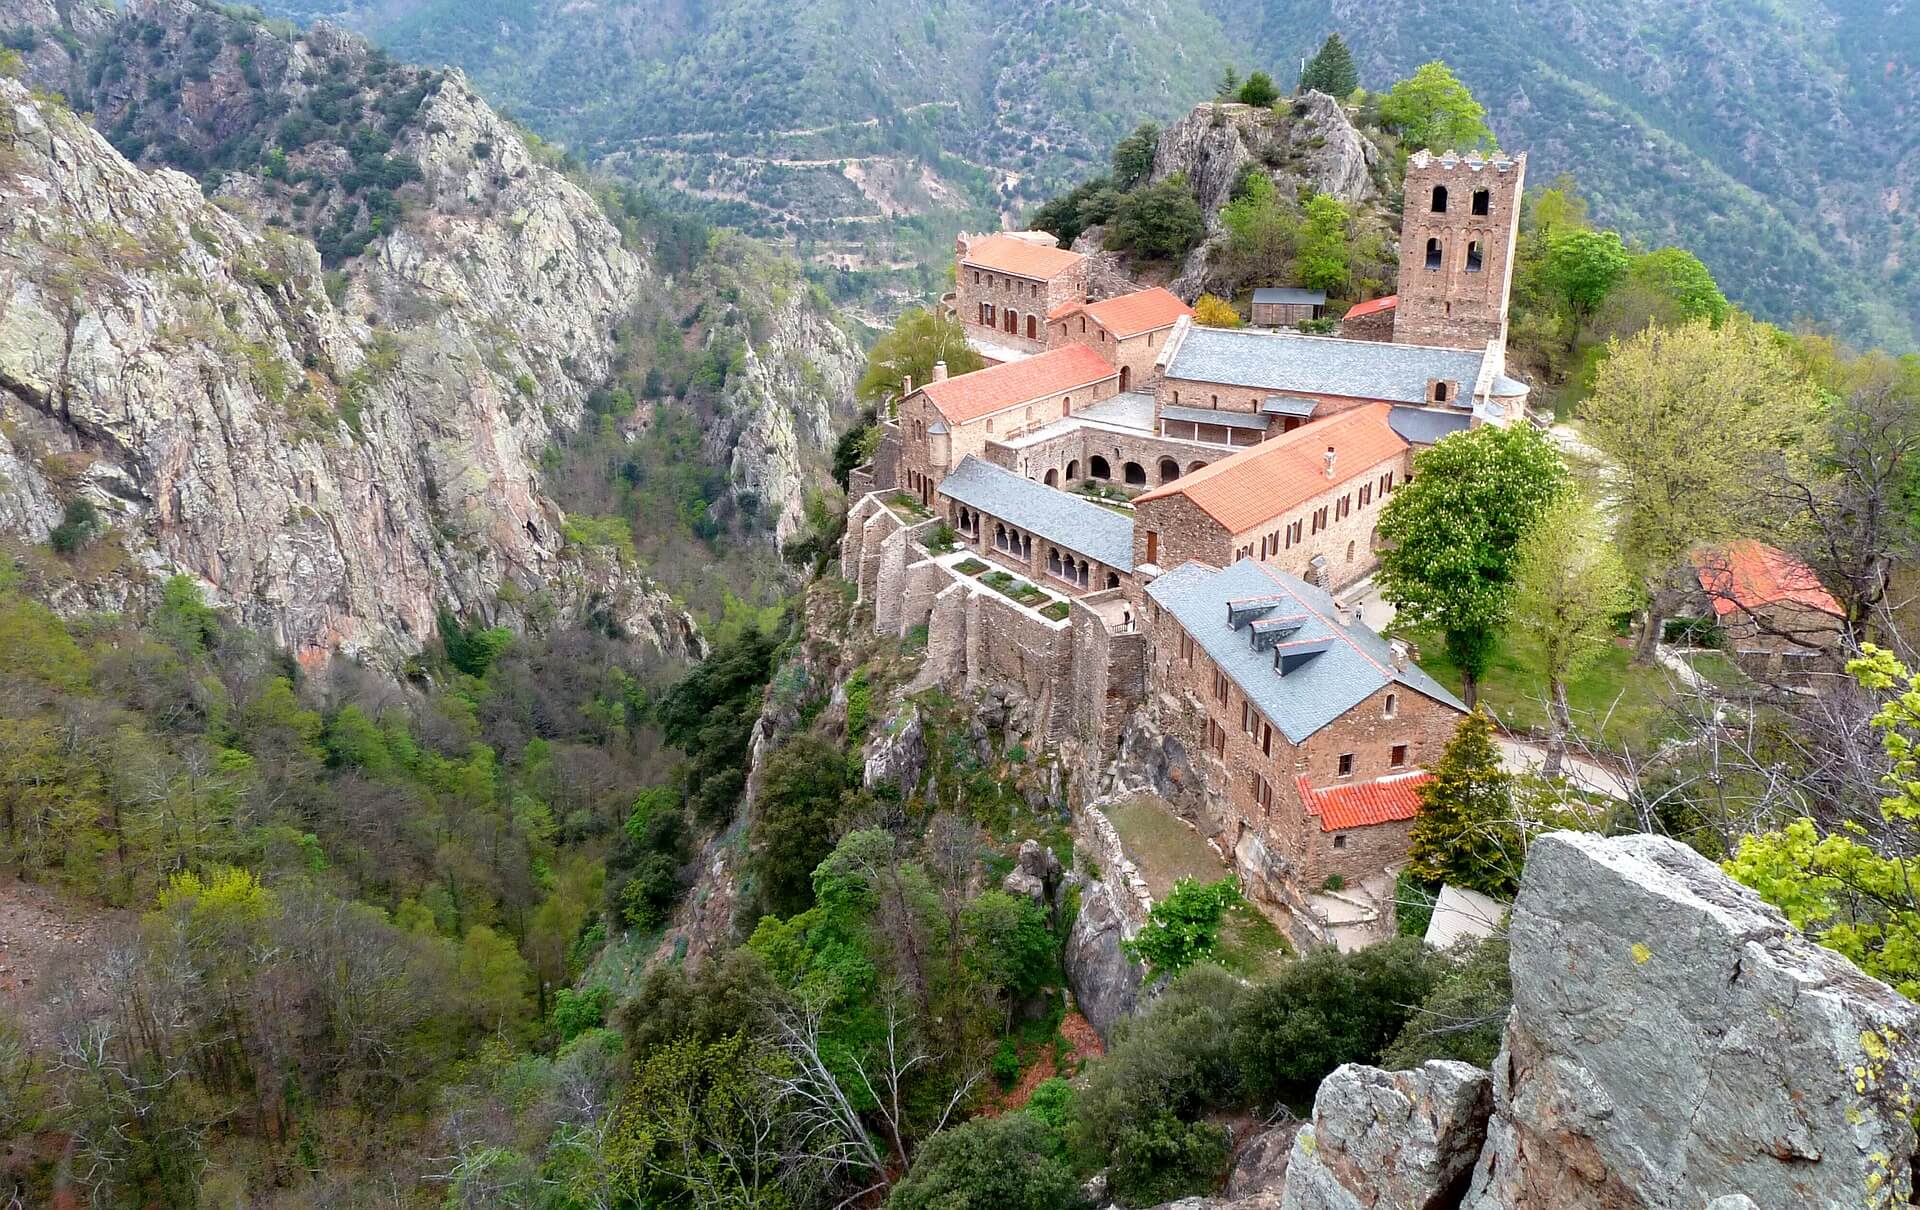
1338 628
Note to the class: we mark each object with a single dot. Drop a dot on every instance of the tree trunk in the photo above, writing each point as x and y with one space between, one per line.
1656 619
1469 688
1559 722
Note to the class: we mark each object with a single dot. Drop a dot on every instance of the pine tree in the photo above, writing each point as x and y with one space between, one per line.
1331 70
1465 833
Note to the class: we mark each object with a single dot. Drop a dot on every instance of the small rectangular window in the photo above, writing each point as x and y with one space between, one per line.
1339 840
1346 764
1399 757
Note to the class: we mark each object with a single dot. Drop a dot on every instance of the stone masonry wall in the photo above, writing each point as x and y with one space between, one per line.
1022 296
1452 304
1135 354
1075 451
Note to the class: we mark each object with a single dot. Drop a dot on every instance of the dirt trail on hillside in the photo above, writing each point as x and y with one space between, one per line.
49 954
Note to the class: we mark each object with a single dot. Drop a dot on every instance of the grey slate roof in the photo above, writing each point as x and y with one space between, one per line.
1424 426
1232 420
1505 385
1352 662
1321 365
1061 518
1295 295
1288 405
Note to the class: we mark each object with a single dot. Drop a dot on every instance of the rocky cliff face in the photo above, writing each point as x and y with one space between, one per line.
334 473
1673 1043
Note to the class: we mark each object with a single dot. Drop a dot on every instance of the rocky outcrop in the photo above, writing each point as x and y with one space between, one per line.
332 482
1380 1138
1673 1040
1105 982
51 35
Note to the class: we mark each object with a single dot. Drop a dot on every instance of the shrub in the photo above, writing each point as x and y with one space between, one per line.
1004 1163
77 527
1183 928
1326 1009
1163 1159
1006 1063
1214 312
576 1012
1158 221
1464 1016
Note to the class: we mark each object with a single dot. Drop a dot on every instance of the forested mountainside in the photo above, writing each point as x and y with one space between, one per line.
1780 140
339 380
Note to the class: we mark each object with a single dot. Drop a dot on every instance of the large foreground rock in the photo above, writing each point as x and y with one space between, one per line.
1674 1041
1105 982
1389 1138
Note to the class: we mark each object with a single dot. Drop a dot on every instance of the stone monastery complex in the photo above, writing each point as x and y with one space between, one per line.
1151 529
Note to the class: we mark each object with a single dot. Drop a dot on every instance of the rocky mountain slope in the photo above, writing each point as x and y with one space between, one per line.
337 455
1779 142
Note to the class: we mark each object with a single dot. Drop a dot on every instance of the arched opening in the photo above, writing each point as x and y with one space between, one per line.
1194 466
1433 254
1473 256
1136 474
1440 392
1083 573
1169 470
999 536
1113 580
1053 563
1439 199
1482 202
1099 469
1126 378
1052 478
1033 330
1073 470
1350 547
1066 407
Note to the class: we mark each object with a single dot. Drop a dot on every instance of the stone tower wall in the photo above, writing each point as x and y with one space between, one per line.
1455 304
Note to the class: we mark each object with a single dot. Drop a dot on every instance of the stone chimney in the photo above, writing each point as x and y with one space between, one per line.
1330 459
939 371
906 386
1399 649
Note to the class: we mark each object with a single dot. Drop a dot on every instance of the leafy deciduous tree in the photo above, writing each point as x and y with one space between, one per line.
1433 109
917 341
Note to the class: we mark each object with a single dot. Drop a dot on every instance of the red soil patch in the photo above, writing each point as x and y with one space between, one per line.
1082 1044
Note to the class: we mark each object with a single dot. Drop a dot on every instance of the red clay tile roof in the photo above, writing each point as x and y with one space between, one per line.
1022 258
1362 804
1368 308
1254 486
983 392
1749 575
1131 314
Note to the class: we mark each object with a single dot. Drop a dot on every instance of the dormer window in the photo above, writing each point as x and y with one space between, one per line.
1439 199
1441 391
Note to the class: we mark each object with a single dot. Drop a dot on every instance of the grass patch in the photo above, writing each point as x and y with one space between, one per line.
1250 944
908 504
1014 588
1056 612
1616 703
969 567
1164 847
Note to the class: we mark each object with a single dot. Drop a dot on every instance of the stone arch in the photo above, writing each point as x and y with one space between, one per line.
1192 467
1475 260
999 536
1169 470
1439 199
1051 478
1135 474
1098 468
1113 579
1054 563
1350 550
1073 469
1435 253
1126 378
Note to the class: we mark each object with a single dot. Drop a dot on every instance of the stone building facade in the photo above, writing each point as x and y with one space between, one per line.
1056 539
1007 284
1274 696
1307 502
1457 233
1128 331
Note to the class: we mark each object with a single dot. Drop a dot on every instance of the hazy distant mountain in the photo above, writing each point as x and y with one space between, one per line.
1781 142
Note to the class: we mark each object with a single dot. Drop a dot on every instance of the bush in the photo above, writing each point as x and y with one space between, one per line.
77 527
1004 1163
1183 928
1259 90
1006 1063
1214 312
1163 1159
1158 221
1326 1009
1464 1016
576 1012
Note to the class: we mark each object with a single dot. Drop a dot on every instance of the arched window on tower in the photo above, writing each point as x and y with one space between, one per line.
1434 254
1473 256
1482 202
1439 199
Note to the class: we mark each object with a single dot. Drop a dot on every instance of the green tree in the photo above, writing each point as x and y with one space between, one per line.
77 527
1133 156
1464 1018
1583 266
1183 928
1323 259
1229 85
1088 204
1258 91
1004 1163
1452 533
493 979
1259 229
797 817
1331 69
1568 586
1010 943
1851 889
1466 833
917 341
1161 222
1681 280
1434 110
1685 417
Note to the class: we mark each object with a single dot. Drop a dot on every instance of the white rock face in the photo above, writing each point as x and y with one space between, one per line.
181 366
1674 1041
1389 1138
